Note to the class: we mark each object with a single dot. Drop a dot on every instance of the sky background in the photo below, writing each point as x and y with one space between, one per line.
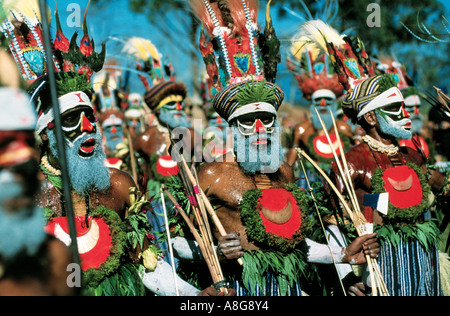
116 20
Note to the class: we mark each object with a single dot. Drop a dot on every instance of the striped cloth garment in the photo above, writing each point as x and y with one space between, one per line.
272 289
410 270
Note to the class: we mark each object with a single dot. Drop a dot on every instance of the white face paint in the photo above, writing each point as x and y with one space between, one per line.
249 125
394 120
399 118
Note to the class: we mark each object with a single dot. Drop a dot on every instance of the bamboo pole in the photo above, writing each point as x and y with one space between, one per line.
132 158
372 262
322 225
59 134
206 250
359 223
166 221
201 196
356 216
344 203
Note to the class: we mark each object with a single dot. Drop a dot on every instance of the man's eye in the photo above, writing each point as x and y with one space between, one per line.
70 120
170 104
391 108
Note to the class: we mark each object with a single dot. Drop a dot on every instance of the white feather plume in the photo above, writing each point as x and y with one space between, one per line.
313 36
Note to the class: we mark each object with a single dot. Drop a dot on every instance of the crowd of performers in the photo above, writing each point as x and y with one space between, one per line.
350 201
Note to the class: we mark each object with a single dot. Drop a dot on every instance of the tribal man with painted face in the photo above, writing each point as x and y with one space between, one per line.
409 259
392 183
166 100
253 189
257 200
100 195
421 139
320 85
90 179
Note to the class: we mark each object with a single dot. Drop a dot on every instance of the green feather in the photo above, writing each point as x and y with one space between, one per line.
255 92
386 82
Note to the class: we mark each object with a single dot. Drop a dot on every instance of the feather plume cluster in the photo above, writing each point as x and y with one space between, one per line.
24 30
149 60
233 47
316 34
349 57
140 48
309 60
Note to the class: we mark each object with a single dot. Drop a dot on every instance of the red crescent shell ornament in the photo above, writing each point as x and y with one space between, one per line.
279 212
322 146
403 185
166 167
94 241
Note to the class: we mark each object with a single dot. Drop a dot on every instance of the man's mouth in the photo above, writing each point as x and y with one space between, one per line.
407 125
87 148
260 141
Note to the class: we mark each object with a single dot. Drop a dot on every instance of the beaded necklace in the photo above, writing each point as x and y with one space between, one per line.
376 145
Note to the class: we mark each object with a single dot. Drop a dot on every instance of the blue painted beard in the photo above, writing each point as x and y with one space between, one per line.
85 173
264 158
326 117
23 230
173 118
391 127
113 139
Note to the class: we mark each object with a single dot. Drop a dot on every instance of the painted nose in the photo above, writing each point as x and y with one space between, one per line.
86 125
323 102
416 110
113 130
219 120
259 127
179 108
405 112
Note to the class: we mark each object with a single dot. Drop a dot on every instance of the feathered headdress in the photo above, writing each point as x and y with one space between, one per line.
74 64
23 116
387 64
310 65
24 30
237 54
106 87
150 61
365 90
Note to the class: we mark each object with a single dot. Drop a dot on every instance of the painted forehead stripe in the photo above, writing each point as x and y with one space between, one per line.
389 96
66 102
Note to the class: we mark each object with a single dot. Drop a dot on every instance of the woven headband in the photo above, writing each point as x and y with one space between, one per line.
155 94
225 102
